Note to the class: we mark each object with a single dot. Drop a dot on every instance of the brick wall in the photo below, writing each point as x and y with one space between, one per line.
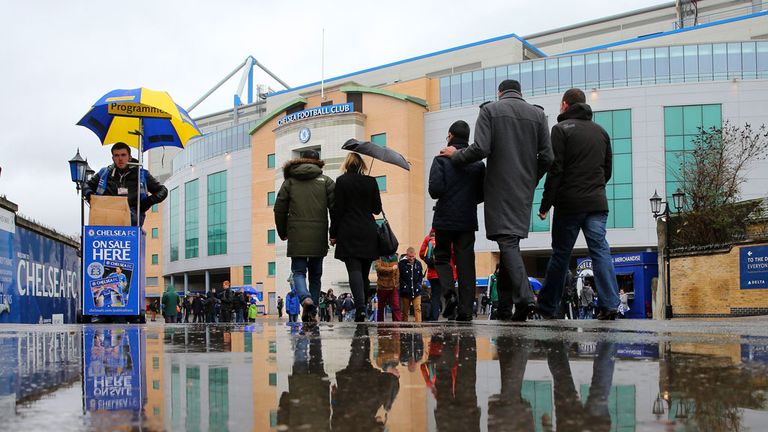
708 286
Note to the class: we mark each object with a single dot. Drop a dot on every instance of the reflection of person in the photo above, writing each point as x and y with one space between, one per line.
458 191
301 217
569 411
119 179
353 228
513 135
575 186
456 375
508 410
306 404
362 391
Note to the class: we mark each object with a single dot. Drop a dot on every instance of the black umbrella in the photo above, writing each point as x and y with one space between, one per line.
381 153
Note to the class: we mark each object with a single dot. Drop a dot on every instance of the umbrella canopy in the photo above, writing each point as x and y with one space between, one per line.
535 284
383 154
119 115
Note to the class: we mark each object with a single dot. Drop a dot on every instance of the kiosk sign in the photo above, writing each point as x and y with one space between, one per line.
112 369
110 261
753 267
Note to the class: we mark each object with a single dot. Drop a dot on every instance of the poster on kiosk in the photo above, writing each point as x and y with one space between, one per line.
111 270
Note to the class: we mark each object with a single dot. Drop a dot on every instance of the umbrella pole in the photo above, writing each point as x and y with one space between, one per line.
138 173
370 167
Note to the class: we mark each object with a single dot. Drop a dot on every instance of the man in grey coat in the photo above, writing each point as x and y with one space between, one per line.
514 136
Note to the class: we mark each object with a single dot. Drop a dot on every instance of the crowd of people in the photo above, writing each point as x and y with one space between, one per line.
513 138
224 305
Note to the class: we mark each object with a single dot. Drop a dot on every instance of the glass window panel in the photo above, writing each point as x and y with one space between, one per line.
173 224
455 91
606 121
673 120
445 92
552 76
674 143
647 66
662 65
155 208
609 188
577 71
622 124
564 73
592 73
477 87
705 63
539 78
676 65
719 61
381 181
622 145
622 211
609 220
379 139
217 211
748 60
271 269
513 73
155 259
691 63
501 75
674 161
271 160
605 69
155 233
620 68
620 172
247 275
689 142
271 198
711 116
762 59
191 219
466 88
622 191
734 60
691 119
489 84
526 80
271 236
633 67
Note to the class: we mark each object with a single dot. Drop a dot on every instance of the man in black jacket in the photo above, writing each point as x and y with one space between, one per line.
575 186
458 190
121 179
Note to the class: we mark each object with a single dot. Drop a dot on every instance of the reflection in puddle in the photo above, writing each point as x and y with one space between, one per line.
366 377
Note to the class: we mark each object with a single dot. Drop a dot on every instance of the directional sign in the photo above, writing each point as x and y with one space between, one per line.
753 267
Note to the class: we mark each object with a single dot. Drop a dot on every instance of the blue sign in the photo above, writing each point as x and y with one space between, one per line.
316 112
39 278
112 369
110 263
753 267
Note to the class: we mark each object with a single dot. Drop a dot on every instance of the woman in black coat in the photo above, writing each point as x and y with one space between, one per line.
353 227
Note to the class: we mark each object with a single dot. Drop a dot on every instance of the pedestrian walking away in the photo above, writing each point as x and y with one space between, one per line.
301 217
292 306
353 228
458 190
279 307
513 135
411 276
387 284
575 186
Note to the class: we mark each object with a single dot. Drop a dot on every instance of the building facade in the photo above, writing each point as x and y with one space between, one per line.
653 77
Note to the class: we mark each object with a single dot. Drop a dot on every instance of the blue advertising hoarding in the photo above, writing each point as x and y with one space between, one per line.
753 267
39 277
112 369
111 270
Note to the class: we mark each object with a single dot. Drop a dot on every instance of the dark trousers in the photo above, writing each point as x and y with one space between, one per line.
463 245
513 283
359 284
437 299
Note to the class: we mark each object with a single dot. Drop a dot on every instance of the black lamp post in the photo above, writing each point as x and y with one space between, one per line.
78 170
678 200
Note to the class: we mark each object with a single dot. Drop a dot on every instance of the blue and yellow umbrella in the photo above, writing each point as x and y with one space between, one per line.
128 115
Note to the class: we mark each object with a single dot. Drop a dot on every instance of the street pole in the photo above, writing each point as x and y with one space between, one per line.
668 266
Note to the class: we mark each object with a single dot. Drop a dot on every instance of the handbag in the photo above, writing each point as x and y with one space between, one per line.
388 243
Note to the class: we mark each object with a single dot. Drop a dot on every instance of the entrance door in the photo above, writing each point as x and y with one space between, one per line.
272 304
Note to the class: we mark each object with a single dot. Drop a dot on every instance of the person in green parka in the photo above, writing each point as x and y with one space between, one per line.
301 217
169 302
494 293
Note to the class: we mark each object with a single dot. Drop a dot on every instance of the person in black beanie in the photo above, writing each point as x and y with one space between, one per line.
458 190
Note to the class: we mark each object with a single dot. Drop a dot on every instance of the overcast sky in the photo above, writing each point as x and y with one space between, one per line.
58 57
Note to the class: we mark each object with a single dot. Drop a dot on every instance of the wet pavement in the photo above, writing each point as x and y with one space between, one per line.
539 376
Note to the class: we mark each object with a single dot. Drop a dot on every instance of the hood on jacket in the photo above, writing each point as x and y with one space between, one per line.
303 169
578 111
459 143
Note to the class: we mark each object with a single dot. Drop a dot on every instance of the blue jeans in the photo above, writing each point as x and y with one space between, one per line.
299 268
565 230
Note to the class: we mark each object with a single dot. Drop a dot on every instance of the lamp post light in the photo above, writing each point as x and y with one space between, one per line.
78 170
678 199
